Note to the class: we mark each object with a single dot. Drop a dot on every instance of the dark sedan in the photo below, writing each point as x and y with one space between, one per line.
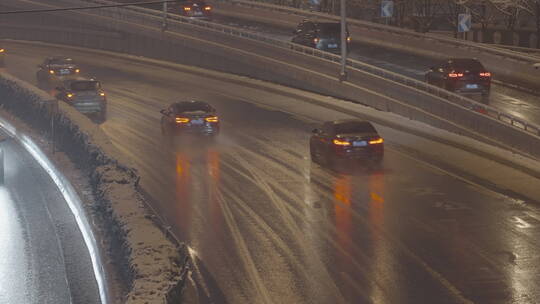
189 117
461 75
192 9
325 36
54 70
346 140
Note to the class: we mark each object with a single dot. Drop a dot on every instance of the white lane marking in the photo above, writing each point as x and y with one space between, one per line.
74 202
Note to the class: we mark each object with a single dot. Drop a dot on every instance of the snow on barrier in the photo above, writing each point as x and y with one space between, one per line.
153 267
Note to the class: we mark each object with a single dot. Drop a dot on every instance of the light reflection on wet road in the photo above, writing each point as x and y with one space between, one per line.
268 226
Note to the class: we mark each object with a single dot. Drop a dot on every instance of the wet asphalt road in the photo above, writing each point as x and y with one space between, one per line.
43 258
265 225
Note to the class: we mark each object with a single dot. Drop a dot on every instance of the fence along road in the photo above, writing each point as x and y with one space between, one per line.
509 131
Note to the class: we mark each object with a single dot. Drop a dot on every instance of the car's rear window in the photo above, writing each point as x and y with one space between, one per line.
61 61
85 85
469 64
192 107
329 28
354 127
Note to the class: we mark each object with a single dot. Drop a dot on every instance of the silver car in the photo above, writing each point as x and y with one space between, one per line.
2 56
84 94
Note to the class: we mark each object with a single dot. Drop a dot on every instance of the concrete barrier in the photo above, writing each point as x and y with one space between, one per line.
155 276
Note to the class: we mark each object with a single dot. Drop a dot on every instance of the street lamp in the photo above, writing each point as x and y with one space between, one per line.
343 72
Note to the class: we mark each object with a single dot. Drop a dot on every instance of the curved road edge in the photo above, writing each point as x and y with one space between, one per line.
153 266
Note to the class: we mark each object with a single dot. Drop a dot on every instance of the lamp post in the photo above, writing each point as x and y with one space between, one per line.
164 24
343 71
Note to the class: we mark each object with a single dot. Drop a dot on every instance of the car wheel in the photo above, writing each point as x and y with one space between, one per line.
164 130
330 161
313 155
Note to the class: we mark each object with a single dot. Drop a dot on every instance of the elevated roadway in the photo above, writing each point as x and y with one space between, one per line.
265 225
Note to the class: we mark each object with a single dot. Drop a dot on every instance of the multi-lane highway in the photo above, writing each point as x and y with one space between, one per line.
43 258
265 225
516 102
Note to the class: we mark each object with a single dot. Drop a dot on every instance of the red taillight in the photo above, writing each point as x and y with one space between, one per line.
181 120
455 75
339 142
485 74
207 8
376 141
212 119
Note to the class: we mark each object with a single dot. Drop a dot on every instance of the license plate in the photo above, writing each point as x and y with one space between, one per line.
332 46
471 86
359 143
197 122
197 14
64 71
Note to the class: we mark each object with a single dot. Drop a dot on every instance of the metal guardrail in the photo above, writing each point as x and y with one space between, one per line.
507 54
154 18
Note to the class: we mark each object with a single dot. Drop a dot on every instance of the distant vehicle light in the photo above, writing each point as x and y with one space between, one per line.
376 141
187 8
212 119
102 94
2 50
455 75
338 142
181 120
51 71
70 95
316 40
77 70
349 39
485 74
207 8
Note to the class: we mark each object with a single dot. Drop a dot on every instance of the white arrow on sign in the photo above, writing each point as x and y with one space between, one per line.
387 8
464 24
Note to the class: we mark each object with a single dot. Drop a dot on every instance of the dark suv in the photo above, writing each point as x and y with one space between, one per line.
461 75
84 94
325 36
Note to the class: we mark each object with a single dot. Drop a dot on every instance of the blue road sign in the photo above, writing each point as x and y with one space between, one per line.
387 8
464 23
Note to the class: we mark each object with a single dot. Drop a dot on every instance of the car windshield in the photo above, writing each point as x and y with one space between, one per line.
85 86
61 61
329 28
469 64
354 127
192 107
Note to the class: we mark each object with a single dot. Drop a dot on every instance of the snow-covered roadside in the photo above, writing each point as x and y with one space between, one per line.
152 266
